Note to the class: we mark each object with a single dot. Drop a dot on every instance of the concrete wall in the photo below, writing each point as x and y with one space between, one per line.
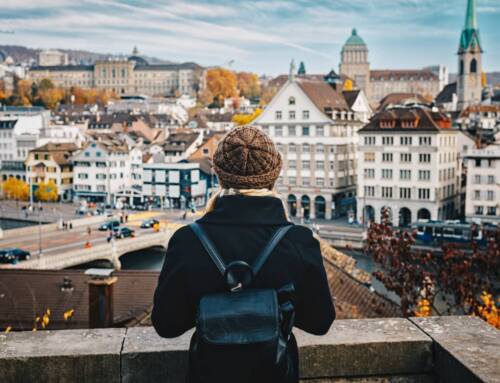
423 350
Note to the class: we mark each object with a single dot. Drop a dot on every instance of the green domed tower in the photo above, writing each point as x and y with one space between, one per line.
354 61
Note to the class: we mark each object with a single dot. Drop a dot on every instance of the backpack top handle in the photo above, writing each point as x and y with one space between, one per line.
226 270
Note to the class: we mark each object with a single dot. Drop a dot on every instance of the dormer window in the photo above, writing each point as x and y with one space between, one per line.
329 112
387 124
291 101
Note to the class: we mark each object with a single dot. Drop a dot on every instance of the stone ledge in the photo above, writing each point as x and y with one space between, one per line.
465 349
366 350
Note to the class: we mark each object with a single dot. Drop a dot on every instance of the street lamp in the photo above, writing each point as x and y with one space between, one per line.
39 229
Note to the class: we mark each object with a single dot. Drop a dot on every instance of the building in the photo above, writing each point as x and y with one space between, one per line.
52 162
177 147
359 104
408 166
377 84
131 76
101 170
174 185
354 61
315 131
469 79
483 184
52 57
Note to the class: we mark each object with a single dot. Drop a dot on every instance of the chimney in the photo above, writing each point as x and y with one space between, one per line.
100 297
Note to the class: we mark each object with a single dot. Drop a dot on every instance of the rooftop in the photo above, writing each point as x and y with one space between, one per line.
354 39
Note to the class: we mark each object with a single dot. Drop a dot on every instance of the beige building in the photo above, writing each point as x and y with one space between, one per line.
130 76
51 162
379 83
52 57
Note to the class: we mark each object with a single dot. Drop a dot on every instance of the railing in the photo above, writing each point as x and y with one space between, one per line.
424 350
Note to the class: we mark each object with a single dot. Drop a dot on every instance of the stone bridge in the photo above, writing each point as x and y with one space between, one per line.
108 251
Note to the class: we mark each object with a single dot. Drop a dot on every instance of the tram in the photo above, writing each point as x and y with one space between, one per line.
436 232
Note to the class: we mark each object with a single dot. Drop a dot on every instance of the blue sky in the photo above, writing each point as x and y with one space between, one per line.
261 36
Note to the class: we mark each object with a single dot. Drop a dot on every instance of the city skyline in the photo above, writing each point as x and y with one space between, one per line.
258 36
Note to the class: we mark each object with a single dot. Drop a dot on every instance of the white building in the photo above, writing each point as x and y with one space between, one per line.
101 171
408 167
52 57
483 184
178 185
315 131
62 133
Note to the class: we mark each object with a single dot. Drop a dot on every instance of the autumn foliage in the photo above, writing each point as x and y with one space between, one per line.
245 119
15 189
223 83
454 280
46 191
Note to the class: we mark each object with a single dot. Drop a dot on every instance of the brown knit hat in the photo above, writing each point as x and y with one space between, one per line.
246 158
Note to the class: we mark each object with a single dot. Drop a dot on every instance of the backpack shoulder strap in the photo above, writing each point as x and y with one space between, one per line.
209 247
266 252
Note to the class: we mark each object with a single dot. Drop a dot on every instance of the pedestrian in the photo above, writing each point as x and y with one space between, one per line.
245 234
71 225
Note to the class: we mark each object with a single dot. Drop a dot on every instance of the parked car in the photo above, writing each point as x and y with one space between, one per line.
109 225
13 255
124 232
81 210
149 223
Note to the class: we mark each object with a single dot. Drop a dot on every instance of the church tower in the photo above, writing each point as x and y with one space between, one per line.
469 87
354 61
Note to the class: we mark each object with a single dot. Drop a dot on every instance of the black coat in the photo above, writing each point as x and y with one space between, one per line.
240 226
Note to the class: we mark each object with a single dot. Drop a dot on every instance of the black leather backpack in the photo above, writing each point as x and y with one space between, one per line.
242 334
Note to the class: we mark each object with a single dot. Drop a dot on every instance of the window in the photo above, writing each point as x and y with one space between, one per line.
306 148
386 157
278 131
405 193
369 157
306 164
387 140
424 193
425 140
320 181
83 176
424 175
46 157
405 157
405 140
305 114
370 191
320 148
386 192
100 176
292 131
292 148
478 210
36 156
291 101
292 180
320 131
306 182
279 147
492 210
370 140
461 71
292 164
305 130
477 195
387 174
491 180
369 173
320 165
424 158
490 195
405 174
477 179
278 115
291 114
473 66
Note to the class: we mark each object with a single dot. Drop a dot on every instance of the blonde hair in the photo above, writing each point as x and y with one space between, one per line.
246 192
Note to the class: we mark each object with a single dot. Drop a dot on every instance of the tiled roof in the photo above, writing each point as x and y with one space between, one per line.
446 95
219 117
179 142
402 99
24 294
60 152
322 94
426 120
480 109
402 75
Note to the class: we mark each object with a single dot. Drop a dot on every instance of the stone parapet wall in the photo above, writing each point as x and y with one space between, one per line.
417 350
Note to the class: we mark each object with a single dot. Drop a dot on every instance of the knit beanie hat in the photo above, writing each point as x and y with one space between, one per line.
246 158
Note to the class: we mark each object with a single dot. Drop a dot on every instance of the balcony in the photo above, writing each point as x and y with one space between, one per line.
423 350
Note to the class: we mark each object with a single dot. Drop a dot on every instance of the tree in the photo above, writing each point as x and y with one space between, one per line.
248 84
23 93
267 95
302 69
47 191
45 84
245 119
222 84
456 280
15 189
50 97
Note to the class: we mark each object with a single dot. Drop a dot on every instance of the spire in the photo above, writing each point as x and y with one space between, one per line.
469 38
470 17
135 52
302 69
291 74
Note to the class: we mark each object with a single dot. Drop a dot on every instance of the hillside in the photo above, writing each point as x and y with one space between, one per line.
24 54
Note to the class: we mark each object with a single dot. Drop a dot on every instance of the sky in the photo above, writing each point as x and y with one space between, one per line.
262 36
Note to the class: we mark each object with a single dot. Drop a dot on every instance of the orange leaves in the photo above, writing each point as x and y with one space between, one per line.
488 310
245 119
16 189
47 191
222 83
248 84
68 314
